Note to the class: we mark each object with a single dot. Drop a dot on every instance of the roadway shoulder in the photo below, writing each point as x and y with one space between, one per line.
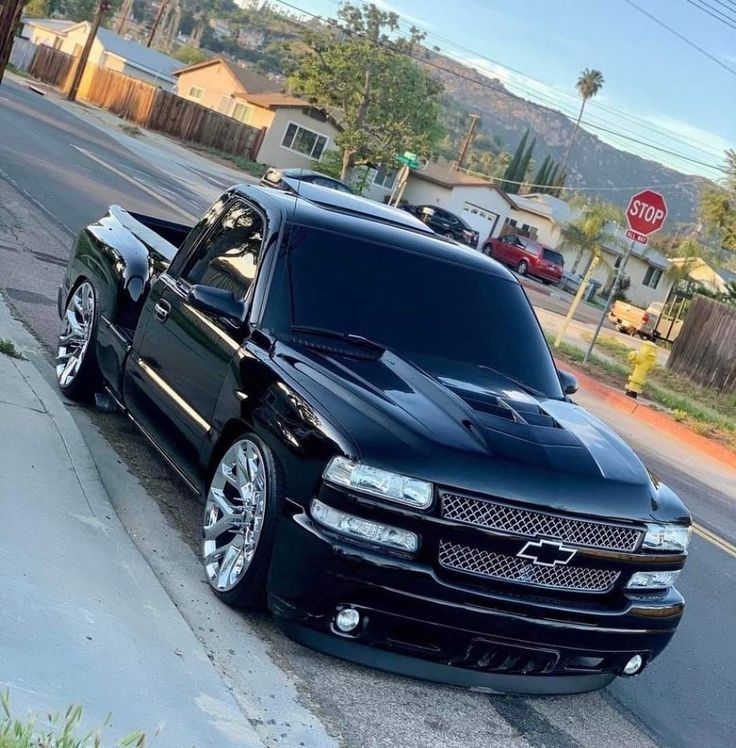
656 418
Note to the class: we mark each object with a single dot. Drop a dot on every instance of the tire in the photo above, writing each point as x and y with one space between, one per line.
242 504
488 250
546 282
77 372
523 267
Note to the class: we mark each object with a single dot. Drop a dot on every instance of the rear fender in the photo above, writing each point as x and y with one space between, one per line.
118 266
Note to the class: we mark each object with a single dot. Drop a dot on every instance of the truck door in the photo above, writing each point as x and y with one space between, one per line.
175 372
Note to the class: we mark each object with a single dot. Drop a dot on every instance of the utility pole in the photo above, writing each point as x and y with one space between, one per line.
124 13
102 8
467 140
159 15
10 13
609 301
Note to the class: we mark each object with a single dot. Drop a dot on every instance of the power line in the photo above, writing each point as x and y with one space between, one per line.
713 13
504 92
556 103
607 188
680 36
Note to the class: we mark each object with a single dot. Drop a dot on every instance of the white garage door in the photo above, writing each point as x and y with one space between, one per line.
481 219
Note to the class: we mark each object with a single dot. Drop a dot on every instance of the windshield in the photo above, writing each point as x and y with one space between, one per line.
551 256
445 316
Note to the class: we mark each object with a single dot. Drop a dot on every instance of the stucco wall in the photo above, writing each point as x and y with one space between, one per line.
274 154
637 293
216 82
422 192
548 232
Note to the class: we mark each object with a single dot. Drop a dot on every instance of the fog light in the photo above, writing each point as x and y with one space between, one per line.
347 619
633 666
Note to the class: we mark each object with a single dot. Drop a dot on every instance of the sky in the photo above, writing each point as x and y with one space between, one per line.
657 88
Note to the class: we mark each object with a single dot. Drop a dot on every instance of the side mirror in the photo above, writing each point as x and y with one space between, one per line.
568 381
218 302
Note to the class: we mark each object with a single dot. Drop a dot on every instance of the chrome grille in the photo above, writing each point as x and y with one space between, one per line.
518 521
514 569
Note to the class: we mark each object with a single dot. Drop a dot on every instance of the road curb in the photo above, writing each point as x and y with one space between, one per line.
657 419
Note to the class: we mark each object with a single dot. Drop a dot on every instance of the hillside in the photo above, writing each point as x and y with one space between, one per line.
504 118
593 163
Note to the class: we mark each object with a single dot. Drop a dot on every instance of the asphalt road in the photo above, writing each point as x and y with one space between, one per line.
52 187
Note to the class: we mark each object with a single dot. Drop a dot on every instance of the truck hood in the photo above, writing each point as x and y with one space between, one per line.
473 431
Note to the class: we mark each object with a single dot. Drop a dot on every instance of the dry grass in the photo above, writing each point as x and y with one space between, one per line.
704 411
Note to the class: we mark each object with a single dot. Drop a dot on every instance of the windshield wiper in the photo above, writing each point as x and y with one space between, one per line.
522 385
357 340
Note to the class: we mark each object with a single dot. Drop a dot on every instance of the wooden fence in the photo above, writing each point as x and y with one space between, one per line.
705 349
21 55
51 66
145 104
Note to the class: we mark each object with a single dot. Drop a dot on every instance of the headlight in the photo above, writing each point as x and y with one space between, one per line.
377 482
364 529
652 580
667 537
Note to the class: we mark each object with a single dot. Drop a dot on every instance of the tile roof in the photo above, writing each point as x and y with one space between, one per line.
251 82
445 174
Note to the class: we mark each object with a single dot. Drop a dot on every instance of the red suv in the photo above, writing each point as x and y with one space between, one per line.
527 257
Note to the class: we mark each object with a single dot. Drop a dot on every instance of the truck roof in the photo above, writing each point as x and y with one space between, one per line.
321 207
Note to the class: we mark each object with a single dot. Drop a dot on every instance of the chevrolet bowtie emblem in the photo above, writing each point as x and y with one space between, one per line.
547 553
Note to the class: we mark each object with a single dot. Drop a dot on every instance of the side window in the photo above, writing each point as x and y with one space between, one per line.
228 258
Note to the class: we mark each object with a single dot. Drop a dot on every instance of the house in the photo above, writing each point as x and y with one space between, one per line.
480 203
296 133
701 273
646 269
541 217
108 51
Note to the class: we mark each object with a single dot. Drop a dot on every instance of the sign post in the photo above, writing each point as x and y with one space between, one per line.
408 161
646 214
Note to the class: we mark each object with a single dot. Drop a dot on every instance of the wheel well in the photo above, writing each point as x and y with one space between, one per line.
230 432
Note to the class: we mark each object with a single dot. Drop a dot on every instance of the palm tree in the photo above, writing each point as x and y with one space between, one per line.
589 84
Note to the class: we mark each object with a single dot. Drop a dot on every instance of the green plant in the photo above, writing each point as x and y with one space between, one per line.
133 130
359 69
7 348
57 731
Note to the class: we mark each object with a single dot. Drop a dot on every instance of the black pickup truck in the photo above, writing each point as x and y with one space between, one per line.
386 453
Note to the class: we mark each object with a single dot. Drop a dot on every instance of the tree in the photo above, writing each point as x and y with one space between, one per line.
517 168
718 207
359 70
589 84
590 230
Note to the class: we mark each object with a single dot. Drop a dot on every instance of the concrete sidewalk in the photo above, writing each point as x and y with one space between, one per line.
83 618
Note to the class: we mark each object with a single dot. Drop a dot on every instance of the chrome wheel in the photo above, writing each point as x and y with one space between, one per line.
76 330
234 515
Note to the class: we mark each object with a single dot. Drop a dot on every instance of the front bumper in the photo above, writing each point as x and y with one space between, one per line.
416 622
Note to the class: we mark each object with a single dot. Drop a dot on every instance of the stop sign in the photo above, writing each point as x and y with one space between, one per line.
646 212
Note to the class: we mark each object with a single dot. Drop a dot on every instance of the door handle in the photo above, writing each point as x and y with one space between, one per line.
162 310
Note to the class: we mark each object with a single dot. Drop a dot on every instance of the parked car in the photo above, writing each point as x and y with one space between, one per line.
643 322
291 180
527 257
445 223
405 483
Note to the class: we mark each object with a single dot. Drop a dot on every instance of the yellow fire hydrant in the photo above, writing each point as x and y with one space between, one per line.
644 359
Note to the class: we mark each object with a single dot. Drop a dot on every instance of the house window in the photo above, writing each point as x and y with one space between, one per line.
243 112
385 177
195 92
306 142
652 276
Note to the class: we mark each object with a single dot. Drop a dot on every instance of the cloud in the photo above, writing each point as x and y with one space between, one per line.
693 133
